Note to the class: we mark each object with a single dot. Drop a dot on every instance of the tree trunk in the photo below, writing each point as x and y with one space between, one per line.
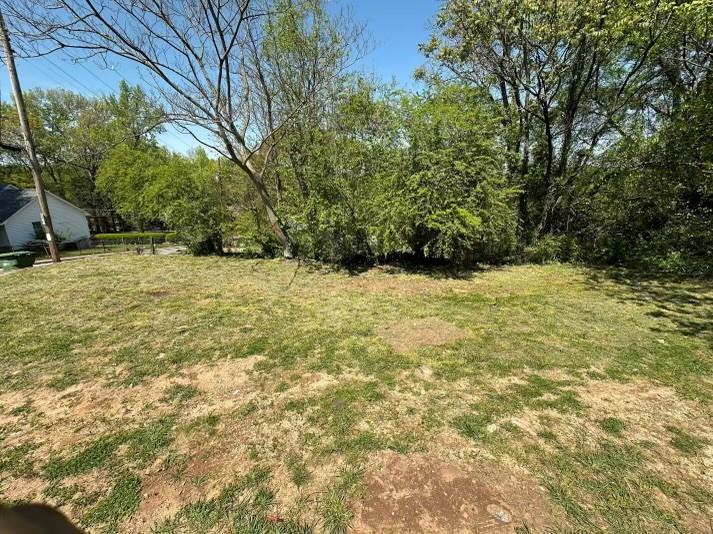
272 217
549 193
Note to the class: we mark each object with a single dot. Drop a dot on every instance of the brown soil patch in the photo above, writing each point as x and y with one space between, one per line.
163 494
418 493
22 489
408 335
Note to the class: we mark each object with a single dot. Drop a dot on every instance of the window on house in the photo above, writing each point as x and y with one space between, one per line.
39 231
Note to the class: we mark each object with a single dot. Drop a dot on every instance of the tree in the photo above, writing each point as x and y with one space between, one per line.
135 117
150 183
207 59
335 165
450 198
651 200
74 135
571 78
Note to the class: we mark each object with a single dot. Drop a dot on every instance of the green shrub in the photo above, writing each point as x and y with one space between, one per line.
449 198
551 249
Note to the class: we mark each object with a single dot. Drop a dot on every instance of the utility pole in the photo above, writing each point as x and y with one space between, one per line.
45 218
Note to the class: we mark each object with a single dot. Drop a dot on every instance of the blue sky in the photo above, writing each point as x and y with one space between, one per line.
395 28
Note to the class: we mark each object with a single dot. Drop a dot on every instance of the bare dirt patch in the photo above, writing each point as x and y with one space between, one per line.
418 493
22 489
164 493
409 335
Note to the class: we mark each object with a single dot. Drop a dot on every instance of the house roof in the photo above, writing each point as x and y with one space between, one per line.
12 199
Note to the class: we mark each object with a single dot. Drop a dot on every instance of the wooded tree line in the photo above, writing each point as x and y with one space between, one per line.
541 130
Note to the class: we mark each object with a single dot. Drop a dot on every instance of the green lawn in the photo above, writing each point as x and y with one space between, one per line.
181 394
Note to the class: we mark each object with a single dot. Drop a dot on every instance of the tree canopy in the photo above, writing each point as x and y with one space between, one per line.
540 130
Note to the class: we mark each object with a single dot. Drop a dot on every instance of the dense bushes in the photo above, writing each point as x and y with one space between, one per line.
401 174
551 249
652 202
388 174
449 198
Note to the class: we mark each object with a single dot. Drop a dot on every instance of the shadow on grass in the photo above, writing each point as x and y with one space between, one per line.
686 302
437 270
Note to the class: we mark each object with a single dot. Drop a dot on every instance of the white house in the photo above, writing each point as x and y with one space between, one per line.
20 218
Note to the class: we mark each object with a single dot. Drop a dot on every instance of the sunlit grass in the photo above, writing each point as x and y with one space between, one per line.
285 448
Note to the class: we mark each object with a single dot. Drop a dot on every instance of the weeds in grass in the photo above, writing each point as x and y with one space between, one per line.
121 502
92 457
143 444
547 435
247 409
612 425
337 411
207 424
299 473
336 515
60 494
535 393
180 393
685 442
245 504
333 505
23 409
612 480
474 425
16 461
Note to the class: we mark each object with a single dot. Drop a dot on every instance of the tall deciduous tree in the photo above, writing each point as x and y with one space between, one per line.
206 58
571 77
75 134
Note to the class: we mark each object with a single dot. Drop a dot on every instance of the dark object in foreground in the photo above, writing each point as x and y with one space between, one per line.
17 260
34 519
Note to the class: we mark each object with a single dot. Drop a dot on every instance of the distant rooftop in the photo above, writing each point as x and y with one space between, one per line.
12 199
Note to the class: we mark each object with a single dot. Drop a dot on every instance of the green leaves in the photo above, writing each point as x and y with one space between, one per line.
451 199
75 134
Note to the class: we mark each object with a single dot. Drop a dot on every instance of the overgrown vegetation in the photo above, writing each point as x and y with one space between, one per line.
540 132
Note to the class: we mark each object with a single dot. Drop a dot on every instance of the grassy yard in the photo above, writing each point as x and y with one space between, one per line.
181 394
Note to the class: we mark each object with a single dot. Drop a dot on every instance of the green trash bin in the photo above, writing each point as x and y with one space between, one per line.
17 260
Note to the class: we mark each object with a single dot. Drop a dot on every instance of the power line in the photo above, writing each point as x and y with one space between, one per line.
62 73
71 78
45 217
112 89
57 74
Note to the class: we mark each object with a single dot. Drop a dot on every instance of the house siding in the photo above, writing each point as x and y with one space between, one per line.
70 223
